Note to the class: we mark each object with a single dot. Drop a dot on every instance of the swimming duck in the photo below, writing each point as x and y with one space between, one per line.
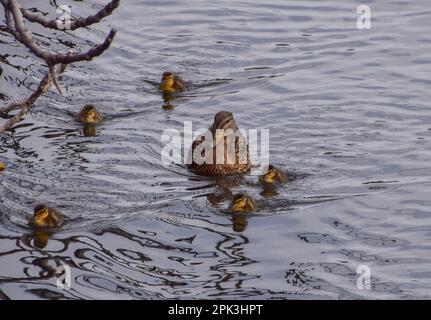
172 82
46 218
243 203
273 176
89 115
234 160
2 167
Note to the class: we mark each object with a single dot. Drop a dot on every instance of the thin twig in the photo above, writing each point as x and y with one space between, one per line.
26 104
14 16
49 56
79 23
54 79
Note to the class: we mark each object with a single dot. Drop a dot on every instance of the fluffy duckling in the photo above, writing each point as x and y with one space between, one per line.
2 167
89 115
243 203
46 218
273 176
231 162
172 82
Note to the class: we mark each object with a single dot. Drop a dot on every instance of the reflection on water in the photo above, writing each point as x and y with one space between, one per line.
348 113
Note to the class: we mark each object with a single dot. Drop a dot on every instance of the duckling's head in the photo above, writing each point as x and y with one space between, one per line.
90 113
167 82
270 175
41 213
243 203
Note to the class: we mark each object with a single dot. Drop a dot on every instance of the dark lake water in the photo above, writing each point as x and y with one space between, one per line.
349 115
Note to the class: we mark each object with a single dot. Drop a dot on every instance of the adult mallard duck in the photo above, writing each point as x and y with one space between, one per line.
243 203
221 151
46 218
89 115
172 82
273 176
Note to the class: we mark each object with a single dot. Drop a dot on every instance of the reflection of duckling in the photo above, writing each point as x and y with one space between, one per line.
89 115
215 199
239 223
269 190
41 239
2 167
273 175
243 203
223 130
89 130
172 83
168 99
46 218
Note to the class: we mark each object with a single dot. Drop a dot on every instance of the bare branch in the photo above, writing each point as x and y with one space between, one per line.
79 23
10 107
14 15
27 103
52 57
9 20
56 58
55 80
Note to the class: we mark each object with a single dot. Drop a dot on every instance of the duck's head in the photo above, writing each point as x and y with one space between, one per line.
41 213
223 121
167 82
90 113
270 175
243 203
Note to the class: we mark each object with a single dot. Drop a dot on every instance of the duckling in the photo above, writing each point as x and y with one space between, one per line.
231 162
243 203
46 218
172 82
89 115
2 167
273 176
